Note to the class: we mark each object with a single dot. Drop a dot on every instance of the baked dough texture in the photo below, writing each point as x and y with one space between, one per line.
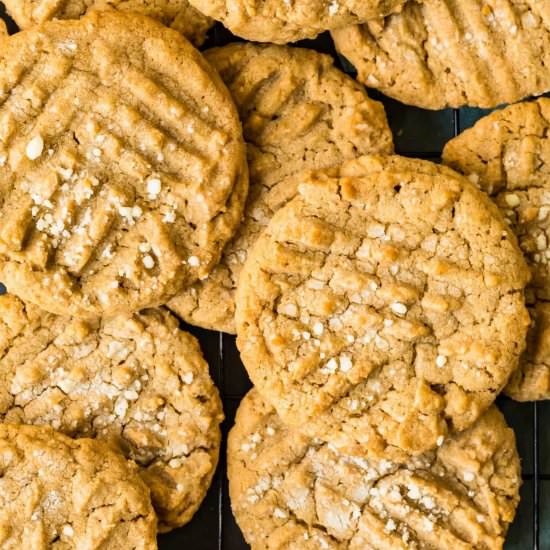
507 154
383 307
56 492
123 165
436 54
289 491
178 14
136 382
283 21
298 112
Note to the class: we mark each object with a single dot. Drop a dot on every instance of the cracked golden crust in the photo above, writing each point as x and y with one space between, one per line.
283 21
437 54
62 493
123 165
298 112
383 307
178 14
507 154
138 383
289 491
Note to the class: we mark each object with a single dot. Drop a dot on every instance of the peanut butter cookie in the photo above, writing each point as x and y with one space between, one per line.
289 491
437 54
138 383
283 21
507 154
123 165
383 307
60 493
178 14
298 112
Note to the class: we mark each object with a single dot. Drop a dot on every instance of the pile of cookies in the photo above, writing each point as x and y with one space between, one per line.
381 303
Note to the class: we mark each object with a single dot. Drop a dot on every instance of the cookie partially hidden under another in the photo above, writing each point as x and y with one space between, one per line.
283 21
123 168
289 491
507 154
178 14
56 492
383 307
434 54
136 382
298 112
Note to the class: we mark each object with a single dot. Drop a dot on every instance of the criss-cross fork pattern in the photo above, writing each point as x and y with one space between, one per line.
93 158
418 134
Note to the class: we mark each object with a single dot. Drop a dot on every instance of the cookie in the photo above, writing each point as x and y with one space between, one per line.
289 491
507 154
123 165
60 493
383 307
283 21
3 29
437 54
298 112
138 383
178 14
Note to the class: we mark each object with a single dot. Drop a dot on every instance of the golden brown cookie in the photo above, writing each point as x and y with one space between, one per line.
283 21
383 307
436 54
507 154
123 165
60 493
3 29
289 491
178 14
298 112
138 383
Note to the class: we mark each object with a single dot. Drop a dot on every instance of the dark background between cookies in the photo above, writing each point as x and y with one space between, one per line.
417 133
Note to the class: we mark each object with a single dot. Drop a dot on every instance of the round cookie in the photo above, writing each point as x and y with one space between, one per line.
283 21
437 54
123 165
60 493
298 112
507 154
138 383
383 307
289 491
178 14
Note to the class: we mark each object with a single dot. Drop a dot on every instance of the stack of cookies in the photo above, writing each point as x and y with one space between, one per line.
381 303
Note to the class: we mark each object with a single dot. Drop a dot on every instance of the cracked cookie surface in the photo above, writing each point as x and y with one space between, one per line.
298 112
289 491
283 21
60 493
437 54
136 382
507 154
178 14
123 168
383 307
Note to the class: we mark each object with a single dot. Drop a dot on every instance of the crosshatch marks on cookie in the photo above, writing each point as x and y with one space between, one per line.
507 154
435 54
289 491
58 492
299 112
178 14
137 382
383 307
124 168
